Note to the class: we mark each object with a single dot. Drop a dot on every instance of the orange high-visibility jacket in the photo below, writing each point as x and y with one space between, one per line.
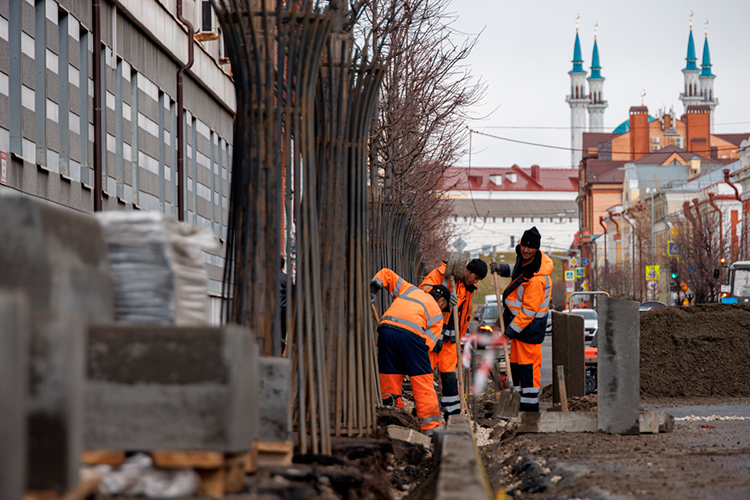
413 310
527 303
437 277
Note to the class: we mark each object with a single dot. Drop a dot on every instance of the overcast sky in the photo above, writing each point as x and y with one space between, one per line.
526 49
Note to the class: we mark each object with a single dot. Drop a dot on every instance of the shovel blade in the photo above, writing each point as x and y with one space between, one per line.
508 404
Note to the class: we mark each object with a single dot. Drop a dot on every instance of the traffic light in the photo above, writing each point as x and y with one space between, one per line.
673 275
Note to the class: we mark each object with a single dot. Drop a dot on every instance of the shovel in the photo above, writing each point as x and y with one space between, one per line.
509 401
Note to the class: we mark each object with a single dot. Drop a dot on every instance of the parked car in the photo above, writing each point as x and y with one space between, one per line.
650 305
490 299
590 322
478 313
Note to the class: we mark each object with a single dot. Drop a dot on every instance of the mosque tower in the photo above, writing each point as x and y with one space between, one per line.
577 101
692 92
596 104
707 80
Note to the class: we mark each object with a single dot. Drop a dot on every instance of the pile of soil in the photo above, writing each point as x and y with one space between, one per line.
583 403
696 351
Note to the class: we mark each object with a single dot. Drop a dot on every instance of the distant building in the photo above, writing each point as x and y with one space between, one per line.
493 206
639 135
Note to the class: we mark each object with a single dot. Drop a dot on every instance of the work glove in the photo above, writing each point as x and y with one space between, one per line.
454 300
438 346
375 286
495 267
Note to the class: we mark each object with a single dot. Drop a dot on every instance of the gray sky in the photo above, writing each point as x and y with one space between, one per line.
526 50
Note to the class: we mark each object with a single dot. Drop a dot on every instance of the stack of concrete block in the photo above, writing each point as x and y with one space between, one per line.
57 257
157 268
568 351
15 332
170 388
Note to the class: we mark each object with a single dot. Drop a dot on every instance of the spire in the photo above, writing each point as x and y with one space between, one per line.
706 64
691 51
577 59
595 66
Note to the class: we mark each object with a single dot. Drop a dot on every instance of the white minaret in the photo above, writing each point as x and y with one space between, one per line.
692 92
596 104
578 101
707 80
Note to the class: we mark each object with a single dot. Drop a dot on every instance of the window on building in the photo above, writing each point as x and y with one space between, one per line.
206 24
134 142
40 83
63 116
14 77
119 151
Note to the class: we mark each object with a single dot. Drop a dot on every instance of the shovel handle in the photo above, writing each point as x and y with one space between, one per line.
375 314
502 326
459 355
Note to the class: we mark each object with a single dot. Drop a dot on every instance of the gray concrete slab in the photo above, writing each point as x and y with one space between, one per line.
556 421
619 366
172 388
461 474
15 334
58 258
275 399
568 351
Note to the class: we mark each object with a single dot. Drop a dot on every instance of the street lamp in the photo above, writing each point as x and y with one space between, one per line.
652 192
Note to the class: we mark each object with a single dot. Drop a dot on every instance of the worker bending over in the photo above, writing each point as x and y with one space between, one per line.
526 306
408 332
447 358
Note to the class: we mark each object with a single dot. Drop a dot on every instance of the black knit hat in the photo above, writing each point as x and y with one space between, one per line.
531 238
478 267
443 291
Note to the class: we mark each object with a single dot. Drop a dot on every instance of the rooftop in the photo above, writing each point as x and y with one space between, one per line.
512 178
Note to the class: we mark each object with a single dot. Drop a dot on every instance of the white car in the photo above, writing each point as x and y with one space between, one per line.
590 322
490 299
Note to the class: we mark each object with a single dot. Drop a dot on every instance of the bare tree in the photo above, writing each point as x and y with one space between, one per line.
699 264
425 99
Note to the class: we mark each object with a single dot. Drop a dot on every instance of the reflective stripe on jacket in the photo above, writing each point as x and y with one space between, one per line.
437 277
527 303
413 310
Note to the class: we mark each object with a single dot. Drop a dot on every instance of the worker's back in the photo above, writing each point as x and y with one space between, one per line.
413 310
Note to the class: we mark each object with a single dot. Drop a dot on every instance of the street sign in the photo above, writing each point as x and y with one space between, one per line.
652 272
585 261
673 248
570 285
674 232
573 261
570 275
653 285
459 244
579 272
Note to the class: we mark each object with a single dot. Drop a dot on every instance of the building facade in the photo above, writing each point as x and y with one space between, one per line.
493 206
48 80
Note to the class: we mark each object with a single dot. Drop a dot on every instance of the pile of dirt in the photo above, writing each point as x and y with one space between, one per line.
696 351
583 403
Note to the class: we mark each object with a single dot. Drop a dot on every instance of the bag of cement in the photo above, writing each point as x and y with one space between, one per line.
158 272
138 477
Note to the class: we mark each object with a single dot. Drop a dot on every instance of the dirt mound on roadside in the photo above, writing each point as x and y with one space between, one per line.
695 351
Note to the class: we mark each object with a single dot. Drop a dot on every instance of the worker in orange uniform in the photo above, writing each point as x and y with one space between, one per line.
447 359
526 306
408 331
